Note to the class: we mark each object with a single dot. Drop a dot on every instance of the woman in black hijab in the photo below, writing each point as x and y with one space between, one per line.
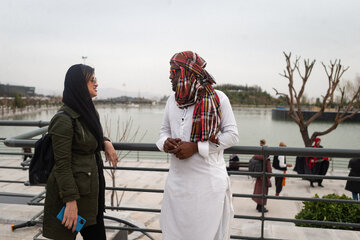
77 180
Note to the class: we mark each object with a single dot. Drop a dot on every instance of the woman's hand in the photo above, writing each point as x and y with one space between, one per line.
110 153
70 215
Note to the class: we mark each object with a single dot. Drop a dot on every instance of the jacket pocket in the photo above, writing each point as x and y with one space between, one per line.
83 180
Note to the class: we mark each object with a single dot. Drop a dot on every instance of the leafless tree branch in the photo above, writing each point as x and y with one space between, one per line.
126 134
334 72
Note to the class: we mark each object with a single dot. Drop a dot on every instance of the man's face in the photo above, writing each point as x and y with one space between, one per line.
175 73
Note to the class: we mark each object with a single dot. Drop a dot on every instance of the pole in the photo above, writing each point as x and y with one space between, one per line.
84 58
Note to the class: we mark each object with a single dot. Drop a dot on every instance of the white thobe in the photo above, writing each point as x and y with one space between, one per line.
197 203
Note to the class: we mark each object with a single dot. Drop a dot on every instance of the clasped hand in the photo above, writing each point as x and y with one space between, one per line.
181 149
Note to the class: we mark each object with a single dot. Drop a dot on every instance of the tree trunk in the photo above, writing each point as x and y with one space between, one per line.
305 136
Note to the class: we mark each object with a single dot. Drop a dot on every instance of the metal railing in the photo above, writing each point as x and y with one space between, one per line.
24 141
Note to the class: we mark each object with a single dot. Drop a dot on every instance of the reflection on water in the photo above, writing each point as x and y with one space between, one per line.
253 124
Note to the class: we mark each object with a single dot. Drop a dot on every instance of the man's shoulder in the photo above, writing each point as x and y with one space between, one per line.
171 98
222 96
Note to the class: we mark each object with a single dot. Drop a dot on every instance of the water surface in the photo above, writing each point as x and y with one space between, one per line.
253 124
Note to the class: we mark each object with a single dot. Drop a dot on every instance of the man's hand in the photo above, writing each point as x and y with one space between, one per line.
185 150
214 139
171 144
70 215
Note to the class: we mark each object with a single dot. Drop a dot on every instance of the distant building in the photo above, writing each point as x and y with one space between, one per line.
13 90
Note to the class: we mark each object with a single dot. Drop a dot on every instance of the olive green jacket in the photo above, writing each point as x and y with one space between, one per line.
74 175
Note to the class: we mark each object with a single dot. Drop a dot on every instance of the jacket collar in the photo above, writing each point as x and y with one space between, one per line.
71 112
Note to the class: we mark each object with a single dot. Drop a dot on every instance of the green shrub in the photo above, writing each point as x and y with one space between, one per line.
333 212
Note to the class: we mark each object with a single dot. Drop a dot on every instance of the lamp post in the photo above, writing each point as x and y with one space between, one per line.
84 58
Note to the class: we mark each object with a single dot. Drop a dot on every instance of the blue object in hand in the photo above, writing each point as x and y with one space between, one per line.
79 223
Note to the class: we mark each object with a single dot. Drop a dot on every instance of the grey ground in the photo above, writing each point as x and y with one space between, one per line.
18 213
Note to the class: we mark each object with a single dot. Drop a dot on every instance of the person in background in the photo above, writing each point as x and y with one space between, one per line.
318 165
259 181
280 166
77 180
233 163
354 186
198 125
26 150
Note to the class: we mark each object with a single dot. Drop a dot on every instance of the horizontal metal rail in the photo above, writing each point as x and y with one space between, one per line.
22 141
242 195
6 167
134 209
295 198
134 229
16 154
138 169
37 198
328 223
252 238
295 175
314 152
12 181
24 123
135 189
7 194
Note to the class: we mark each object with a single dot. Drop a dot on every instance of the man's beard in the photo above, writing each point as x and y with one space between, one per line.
174 84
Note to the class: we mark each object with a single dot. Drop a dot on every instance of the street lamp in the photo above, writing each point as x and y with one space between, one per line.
84 58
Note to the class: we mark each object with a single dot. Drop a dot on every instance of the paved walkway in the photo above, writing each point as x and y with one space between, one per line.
18 213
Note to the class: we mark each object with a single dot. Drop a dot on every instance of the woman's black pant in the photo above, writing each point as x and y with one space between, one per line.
95 232
278 184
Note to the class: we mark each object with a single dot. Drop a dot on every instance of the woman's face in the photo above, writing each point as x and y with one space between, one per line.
92 86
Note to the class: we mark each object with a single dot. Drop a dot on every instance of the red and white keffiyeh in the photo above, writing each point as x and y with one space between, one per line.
194 87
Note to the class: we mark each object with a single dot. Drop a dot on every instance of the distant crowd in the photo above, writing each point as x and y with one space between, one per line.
304 165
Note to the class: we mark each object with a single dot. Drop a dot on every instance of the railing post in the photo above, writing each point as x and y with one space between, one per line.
263 191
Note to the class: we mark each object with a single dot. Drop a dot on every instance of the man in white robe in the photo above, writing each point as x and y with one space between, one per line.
198 125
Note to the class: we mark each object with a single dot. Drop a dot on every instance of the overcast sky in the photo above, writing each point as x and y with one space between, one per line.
130 42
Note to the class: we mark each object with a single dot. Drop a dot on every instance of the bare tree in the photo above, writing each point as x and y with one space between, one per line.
351 88
344 109
126 134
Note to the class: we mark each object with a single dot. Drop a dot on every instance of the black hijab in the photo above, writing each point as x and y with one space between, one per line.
76 96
